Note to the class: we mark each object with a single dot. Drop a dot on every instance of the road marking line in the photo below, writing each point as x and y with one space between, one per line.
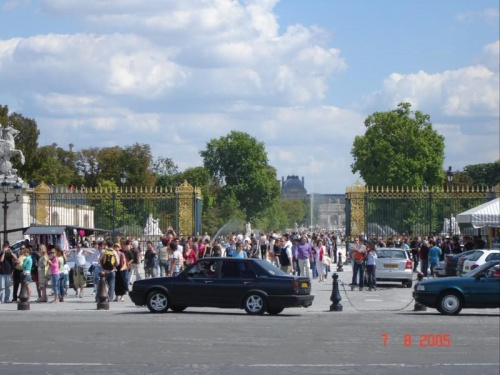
54 364
373 365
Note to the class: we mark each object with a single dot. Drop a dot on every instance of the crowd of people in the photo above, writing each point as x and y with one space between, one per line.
123 261
427 253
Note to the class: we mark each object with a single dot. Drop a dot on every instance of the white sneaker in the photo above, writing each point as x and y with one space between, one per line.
77 294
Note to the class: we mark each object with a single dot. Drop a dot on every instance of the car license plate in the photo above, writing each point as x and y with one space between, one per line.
304 285
390 265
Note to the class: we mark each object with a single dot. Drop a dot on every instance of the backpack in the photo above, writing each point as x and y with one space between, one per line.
109 260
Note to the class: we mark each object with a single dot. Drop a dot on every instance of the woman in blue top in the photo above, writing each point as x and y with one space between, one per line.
27 265
434 254
239 251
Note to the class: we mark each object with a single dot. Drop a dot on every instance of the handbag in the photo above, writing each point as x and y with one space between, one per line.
327 260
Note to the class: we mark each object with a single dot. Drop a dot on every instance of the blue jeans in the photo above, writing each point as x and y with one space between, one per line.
314 270
358 268
372 276
110 280
163 267
424 265
55 283
5 283
62 285
97 271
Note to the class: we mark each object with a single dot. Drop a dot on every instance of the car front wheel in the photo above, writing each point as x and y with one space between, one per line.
157 301
255 304
450 303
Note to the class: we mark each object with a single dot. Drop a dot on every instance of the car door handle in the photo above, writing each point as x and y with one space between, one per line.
208 281
246 282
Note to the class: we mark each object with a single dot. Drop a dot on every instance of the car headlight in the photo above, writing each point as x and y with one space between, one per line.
421 287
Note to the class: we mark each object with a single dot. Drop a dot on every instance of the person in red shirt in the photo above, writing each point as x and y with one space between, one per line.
189 254
358 255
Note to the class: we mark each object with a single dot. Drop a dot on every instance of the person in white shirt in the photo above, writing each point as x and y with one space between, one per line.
286 256
263 245
80 269
371 267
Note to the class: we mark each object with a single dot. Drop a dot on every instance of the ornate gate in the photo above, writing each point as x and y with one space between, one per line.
128 211
388 210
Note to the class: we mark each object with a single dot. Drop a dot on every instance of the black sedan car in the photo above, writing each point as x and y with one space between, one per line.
251 284
479 288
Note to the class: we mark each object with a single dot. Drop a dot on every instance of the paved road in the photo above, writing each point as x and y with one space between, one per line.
74 338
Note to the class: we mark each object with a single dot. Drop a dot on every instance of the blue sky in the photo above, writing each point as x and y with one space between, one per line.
300 76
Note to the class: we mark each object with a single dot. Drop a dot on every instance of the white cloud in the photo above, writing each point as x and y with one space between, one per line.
470 91
490 16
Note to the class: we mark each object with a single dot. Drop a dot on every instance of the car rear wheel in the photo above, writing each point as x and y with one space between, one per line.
450 303
255 304
275 311
408 283
178 309
157 301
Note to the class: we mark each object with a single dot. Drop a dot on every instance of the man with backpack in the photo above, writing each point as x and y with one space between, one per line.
110 261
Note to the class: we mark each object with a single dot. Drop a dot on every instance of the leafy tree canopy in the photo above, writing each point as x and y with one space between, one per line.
487 174
239 163
399 147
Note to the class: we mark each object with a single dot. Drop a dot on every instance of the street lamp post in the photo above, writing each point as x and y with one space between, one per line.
123 180
449 177
6 187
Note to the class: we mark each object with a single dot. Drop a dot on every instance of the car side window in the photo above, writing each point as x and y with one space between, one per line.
236 270
202 269
494 256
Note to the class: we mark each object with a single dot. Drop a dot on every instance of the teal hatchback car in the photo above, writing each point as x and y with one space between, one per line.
479 288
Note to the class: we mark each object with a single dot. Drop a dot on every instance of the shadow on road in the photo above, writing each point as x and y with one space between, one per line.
459 315
143 312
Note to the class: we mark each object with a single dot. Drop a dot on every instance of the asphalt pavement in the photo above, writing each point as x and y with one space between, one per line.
376 333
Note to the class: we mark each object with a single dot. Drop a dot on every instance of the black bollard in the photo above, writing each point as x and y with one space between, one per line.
102 293
419 306
340 264
24 298
335 298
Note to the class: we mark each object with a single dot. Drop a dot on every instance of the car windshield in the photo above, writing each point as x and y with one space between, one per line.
480 269
270 269
395 254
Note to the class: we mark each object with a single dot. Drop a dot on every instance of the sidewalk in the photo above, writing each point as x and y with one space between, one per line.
388 296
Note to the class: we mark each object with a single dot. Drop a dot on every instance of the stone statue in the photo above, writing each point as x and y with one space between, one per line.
248 229
152 227
8 149
296 228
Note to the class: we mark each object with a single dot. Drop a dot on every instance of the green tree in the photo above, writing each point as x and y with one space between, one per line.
294 210
163 166
399 147
137 161
53 166
26 141
487 174
239 163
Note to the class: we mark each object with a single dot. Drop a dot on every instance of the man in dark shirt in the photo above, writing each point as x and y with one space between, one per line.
149 261
136 260
7 259
414 245
424 258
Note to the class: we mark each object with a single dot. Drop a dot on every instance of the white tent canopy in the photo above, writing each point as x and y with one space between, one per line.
484 215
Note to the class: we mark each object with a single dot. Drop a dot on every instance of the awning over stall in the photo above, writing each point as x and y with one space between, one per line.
484 215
